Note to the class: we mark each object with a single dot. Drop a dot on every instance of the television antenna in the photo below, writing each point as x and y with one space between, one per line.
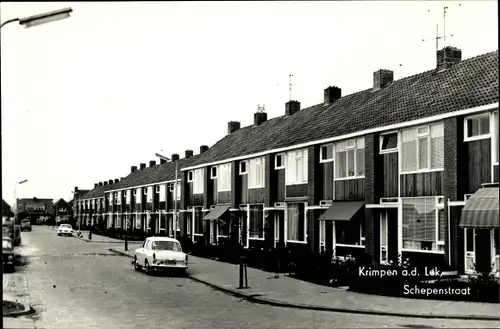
290 86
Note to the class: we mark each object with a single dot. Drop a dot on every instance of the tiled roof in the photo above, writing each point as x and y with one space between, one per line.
97 192
150 175
61 202
470 83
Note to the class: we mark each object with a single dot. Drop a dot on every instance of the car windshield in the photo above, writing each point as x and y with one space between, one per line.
25 220
65 226
166 245
6 244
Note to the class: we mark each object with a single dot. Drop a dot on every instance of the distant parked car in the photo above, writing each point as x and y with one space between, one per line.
8 254
65 229
26 224
160 253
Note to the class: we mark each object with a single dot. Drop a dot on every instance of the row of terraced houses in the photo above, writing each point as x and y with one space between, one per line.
408 167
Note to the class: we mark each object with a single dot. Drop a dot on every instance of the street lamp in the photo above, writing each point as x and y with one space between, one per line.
175 190
15 194
40 19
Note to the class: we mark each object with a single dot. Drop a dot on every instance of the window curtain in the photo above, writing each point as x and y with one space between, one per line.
419 223
295 221
409 145
256 221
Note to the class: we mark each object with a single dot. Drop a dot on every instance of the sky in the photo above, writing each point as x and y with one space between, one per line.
86 98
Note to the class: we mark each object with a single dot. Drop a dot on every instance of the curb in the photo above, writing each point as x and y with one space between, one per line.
255 298
27 309
121 253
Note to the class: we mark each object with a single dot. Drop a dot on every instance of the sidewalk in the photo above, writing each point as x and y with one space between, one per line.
266 288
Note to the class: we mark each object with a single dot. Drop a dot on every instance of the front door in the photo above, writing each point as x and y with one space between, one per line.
389 235
276 228
470 249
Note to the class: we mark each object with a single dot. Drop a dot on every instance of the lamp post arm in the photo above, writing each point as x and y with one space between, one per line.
9 21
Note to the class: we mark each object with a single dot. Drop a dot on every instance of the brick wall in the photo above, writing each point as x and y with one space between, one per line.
372 194
452 135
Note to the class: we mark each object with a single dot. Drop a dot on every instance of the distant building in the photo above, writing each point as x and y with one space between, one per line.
62 211
38 210
6 209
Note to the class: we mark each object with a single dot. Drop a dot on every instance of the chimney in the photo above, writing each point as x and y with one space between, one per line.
122 178
152 163
162 161
105 183
332 93
448 56
175 157
100 183
382 78
189 153
76 189
232 126
133 169
292 107
95 185
203 148
116 180
143 166
110 181
259 118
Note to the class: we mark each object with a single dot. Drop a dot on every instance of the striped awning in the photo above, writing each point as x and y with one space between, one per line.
216 213
481 209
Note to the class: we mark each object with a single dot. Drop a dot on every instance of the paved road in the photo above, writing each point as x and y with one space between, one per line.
75 284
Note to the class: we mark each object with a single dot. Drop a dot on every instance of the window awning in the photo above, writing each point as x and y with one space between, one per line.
342 210
216 213
481 209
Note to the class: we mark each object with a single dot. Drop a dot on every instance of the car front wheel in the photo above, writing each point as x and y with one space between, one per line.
147 267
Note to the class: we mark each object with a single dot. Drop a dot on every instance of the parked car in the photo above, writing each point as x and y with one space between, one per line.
65 229
26 224
160 253
8 254
13 232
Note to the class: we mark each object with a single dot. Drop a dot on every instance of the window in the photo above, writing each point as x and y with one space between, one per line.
350 159
138 199
256 176
424 225
118 221
389 143
243 167
296 169
256 220
213 172
135 192
178 192
296 222
145 190
157 189
279 161
350 232
224 178
423 148
495 142
326 153
162 192
477 127
198 223
190 176
198 181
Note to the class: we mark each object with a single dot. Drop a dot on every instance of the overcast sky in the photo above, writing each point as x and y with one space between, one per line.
83 99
